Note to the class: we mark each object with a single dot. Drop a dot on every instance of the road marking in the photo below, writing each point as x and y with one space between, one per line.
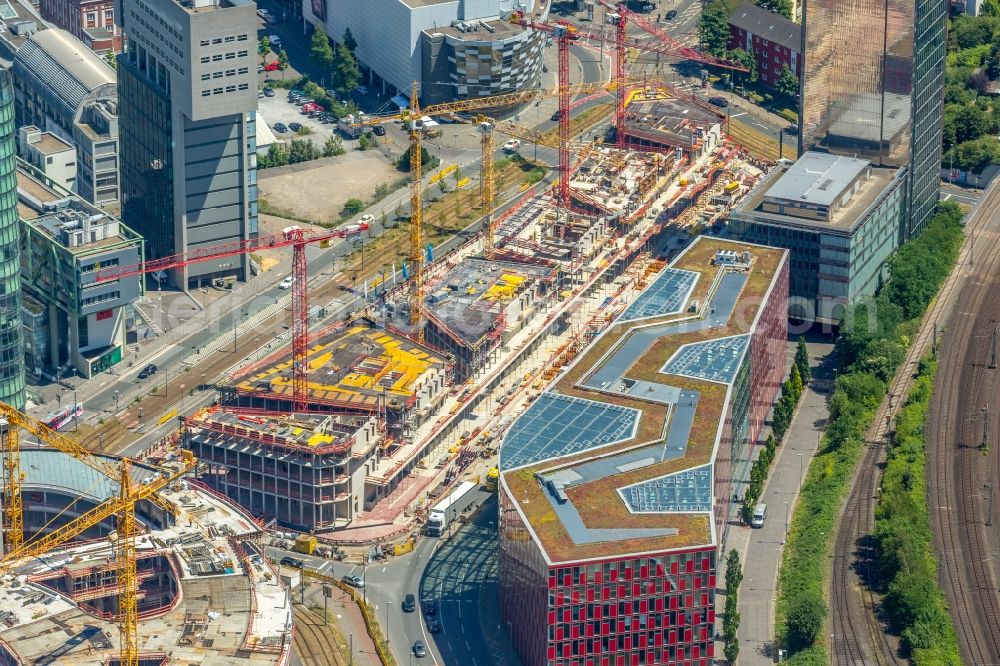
737 115
947 196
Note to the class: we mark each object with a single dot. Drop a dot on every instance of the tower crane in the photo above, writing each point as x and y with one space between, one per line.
293 236
122 507
668 46
563 33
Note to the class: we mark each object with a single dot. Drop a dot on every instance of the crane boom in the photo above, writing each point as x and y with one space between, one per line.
486 185
61 535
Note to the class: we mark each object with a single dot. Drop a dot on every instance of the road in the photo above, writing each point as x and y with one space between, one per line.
458 575
762 558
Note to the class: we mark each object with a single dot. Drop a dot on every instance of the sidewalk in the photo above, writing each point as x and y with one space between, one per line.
761 549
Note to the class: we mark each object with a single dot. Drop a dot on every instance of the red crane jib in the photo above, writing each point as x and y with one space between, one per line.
289 236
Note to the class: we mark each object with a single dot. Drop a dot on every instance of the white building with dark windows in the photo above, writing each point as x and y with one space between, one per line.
62 87
452 48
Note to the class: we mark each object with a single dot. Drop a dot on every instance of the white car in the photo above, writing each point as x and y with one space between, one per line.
361 90
512 146
286 283
367 219
275 42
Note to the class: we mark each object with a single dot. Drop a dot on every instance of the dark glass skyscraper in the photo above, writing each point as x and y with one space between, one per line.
11 342
872 87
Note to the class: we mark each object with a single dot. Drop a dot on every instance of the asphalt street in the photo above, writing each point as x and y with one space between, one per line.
457 574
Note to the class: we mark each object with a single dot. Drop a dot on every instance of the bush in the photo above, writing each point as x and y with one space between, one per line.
789 115
805 620
352 207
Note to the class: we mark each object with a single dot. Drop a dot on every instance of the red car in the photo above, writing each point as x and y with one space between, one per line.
309 107
272 67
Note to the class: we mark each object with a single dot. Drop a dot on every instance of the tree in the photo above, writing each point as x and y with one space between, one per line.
731 649
782 7
802 360
746 59
788 83
349 41
806 613
111 59
345 73
282 62
795 380
428 162
734 572
713 29
353 206
264 47
320 54
993 62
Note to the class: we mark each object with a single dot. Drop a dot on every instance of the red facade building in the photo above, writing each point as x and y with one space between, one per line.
90 21
773 40
616 485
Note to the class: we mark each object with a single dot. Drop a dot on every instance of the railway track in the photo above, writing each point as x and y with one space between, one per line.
858 635
313 641
958 471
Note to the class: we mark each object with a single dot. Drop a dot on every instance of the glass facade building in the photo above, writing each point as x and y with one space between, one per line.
11 340
873 85
145 144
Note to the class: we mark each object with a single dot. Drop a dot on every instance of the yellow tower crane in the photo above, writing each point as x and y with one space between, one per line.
121 507
486 184
13 512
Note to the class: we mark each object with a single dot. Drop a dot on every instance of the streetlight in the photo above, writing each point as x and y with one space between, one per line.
800 473
387 605
786 520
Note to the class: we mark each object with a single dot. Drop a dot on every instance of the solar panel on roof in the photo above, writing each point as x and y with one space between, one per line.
667 295
713 360
681 492
559 425
7 13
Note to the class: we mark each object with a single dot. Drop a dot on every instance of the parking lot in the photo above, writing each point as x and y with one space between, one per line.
278 109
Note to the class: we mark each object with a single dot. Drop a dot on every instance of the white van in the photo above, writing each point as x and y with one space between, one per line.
759 513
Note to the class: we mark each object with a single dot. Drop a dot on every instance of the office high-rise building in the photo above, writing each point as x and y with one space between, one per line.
11 341
187 104
872 87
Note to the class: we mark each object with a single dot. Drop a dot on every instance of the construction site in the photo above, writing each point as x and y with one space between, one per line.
113 562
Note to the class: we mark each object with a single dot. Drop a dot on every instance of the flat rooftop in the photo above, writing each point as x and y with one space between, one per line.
309 433
252 616
844 218
475 31
617 457
353 367
673 122
49 144
818 178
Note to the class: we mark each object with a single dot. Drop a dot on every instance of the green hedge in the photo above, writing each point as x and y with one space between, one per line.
907 565
871 346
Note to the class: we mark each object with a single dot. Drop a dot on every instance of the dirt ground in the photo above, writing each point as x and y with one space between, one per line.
318 190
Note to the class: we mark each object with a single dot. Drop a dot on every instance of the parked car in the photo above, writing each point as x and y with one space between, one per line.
419 649
331 93
327 118
268 91
148 371
310 106
295 127
293 562
409 603
354 581
272 66
361 90
263 13
720 102
378 130
512 146
280 128
275 42
286 283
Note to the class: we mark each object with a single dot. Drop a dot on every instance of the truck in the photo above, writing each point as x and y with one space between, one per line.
447 510
351 125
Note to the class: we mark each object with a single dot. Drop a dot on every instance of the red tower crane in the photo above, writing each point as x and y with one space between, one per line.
564 33
297 238
668 46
